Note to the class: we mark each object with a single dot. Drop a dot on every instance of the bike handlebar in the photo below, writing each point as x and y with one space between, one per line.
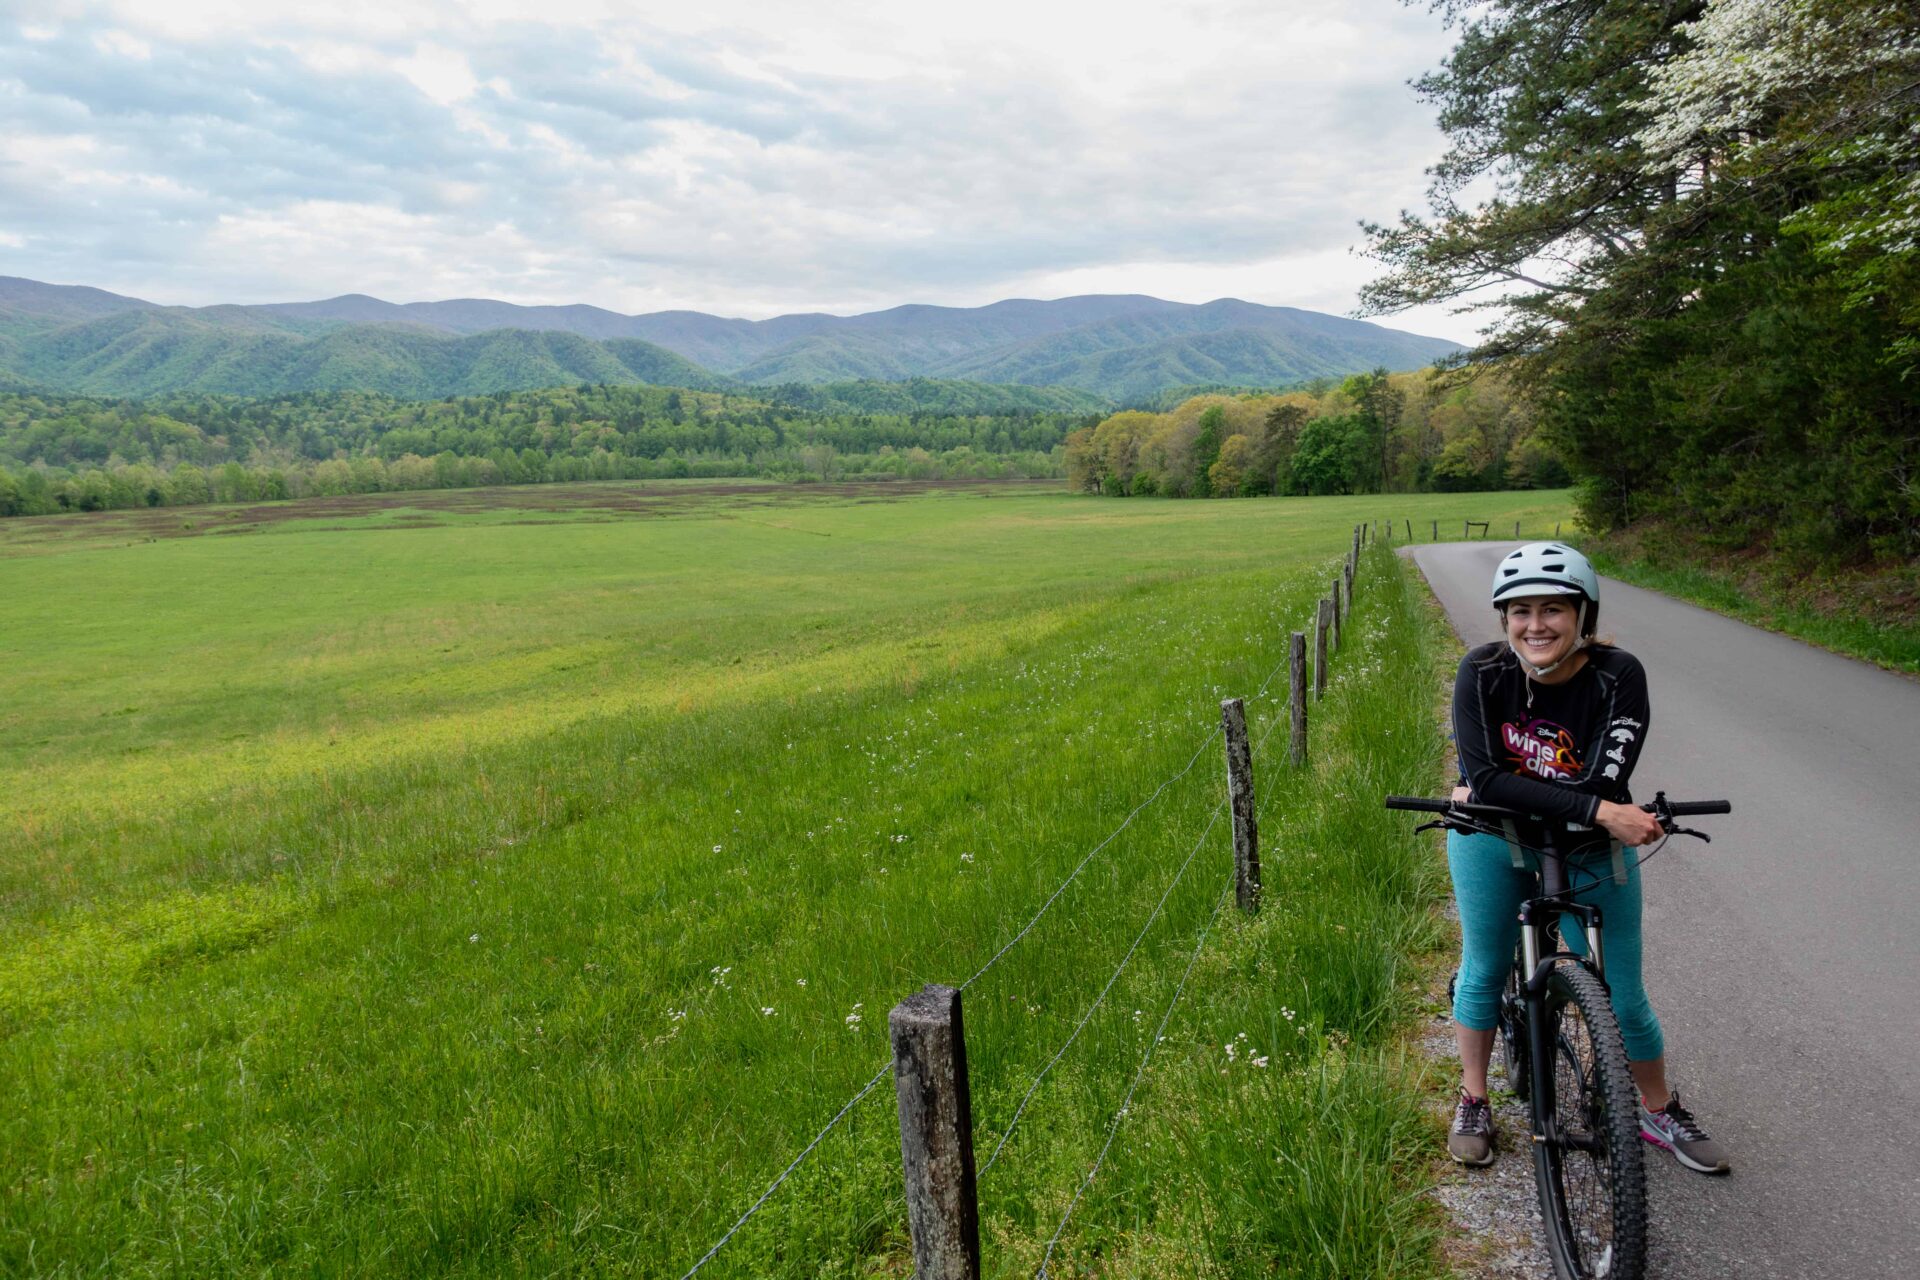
1689 808
1659 806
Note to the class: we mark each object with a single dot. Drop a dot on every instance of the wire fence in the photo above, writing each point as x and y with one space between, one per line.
1059 1054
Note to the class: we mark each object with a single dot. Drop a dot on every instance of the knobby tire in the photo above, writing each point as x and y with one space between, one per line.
1513 1034
1594 1200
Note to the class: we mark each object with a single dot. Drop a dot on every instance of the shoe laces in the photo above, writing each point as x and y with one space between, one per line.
1474 1115
1683 1120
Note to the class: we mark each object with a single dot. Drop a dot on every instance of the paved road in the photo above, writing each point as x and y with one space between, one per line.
1784 958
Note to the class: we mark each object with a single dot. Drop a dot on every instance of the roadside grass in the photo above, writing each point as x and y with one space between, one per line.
495 900
1871 615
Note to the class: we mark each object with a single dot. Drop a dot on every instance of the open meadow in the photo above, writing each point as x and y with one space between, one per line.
451 885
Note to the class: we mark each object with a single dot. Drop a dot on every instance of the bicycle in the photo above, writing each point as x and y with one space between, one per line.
1563 1052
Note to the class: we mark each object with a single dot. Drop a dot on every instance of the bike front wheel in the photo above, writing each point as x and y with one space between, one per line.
1513 1034
1590 1169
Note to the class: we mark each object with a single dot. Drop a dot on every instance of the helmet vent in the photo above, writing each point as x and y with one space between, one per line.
1554 568
1509 572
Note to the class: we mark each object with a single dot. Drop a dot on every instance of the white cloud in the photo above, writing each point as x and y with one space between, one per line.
737 156
441 74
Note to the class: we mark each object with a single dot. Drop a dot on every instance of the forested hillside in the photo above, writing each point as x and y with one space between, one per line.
1115 348
163 351
82 453
1707 221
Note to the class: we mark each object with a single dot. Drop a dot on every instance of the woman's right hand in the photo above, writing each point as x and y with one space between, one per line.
1629 824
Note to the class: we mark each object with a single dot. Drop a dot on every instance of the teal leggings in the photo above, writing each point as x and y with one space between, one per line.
1490 889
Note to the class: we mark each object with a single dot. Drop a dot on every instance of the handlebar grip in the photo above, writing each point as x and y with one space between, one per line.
1691 808
1419 804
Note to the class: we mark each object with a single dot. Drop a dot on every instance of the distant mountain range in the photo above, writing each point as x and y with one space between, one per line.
1120 347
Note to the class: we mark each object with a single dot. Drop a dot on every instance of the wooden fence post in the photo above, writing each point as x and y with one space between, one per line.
1336 612
1246 831
1409 529
1436 531
1556 531
1465 525
1297 697
936 1133
1516 528
1320 650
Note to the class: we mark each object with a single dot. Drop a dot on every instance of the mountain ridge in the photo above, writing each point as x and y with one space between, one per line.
1122 346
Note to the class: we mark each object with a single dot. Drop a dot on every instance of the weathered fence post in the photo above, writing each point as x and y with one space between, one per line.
1516 528
1337 612
1320 649
1409 529
1556 531
1297 696
1246 832
1436 531
1464 526
936 1133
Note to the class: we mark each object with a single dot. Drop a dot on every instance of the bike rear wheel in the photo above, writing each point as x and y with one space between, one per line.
1592 1174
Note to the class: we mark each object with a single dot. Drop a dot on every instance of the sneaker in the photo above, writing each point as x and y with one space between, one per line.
1471 1141
1674 1128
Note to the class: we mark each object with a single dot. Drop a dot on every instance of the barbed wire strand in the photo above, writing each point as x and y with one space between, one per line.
1138 1075
995 959
785 1173
1074 874
1101 998
1128 957
1114 834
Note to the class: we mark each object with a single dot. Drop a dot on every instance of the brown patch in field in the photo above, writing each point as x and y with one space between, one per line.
598 502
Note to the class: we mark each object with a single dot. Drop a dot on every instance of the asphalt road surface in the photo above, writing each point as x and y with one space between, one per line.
1783 958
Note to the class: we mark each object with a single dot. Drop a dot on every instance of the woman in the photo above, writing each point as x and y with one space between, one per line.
1551 721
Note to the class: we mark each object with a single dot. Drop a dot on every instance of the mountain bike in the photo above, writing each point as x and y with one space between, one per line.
1562 1047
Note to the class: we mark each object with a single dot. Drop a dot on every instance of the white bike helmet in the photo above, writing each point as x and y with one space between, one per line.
1549 569
1545 569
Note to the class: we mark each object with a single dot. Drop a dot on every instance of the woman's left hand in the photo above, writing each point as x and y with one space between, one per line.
1629 824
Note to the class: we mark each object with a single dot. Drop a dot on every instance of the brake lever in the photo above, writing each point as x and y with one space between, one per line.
1438 824
1701 836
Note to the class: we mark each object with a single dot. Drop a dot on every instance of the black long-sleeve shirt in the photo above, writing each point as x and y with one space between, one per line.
1556 750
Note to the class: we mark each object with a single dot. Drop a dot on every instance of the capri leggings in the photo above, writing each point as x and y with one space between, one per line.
1490 889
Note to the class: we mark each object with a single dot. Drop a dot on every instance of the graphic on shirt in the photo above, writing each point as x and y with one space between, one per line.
1541 748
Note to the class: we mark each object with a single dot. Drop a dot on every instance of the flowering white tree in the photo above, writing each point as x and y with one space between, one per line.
1819 96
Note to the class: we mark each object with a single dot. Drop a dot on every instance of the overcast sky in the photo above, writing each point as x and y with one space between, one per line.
734 156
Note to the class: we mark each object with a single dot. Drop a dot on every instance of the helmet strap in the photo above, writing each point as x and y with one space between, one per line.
1579 643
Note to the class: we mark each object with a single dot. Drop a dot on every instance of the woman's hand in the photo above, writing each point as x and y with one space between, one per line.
1463 795
1629 824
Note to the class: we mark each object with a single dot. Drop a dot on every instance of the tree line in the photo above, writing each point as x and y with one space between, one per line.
1700 225
1368 433
63 453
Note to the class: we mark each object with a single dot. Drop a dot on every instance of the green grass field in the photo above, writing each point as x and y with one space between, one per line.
468 891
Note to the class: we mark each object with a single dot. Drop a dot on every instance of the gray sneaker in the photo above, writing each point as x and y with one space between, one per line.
1471 1141
1674 1128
